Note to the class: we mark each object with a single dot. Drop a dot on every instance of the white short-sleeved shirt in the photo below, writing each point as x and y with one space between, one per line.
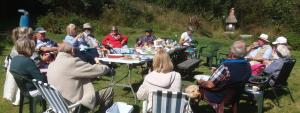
187 38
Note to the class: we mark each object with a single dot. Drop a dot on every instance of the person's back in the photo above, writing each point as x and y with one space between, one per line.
25 66
233 72
159 81
72 77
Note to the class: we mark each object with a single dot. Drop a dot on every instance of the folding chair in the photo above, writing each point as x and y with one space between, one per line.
168 102
281 80
56 101
22 82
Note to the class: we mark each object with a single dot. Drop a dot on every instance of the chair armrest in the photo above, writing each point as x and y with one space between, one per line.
74 105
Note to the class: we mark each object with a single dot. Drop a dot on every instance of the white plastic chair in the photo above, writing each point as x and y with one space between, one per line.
56 101
168 102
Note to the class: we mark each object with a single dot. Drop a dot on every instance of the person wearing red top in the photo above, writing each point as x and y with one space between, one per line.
115 39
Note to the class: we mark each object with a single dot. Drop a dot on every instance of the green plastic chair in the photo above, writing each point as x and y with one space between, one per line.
210 53
22 82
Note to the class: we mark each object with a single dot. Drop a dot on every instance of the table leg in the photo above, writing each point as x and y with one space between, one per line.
259 101
129 83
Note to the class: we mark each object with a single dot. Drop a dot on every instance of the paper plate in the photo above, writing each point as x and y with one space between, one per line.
202 77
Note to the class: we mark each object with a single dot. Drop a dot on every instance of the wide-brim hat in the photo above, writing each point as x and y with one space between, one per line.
40 30
87 26
264 37
280 40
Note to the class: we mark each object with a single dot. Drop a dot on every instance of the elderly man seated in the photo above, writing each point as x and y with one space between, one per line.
232 72
46 48
115 39
73 79
259 50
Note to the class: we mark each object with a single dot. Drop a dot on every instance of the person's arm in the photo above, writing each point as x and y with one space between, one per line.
105 41
143 91
206 84
274 67
176 86
34 71
124 40
219 76
182 39
48 49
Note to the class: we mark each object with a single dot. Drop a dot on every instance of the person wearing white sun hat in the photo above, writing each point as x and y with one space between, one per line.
281 54
280 49
260 50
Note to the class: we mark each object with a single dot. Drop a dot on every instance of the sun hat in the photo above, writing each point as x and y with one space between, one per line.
264 37
280 40
39 30
87 26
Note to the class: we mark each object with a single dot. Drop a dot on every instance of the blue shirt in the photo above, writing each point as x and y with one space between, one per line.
70 39
231 72
267 54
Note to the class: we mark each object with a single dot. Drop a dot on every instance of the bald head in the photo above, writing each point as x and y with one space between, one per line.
65 47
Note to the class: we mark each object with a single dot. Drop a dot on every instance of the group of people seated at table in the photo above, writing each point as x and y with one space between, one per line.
263 57
72 74
65 69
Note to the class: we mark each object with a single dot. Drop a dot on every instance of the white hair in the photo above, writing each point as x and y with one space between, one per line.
65 47
283 50
238 48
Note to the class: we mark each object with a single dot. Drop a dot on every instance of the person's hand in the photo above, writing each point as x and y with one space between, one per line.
122 42
199 82
213 69
79 36
97 61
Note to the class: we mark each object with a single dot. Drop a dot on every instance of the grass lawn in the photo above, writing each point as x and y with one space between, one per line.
124 94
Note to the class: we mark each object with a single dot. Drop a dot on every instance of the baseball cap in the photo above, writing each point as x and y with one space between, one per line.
40 30
87 26
280 40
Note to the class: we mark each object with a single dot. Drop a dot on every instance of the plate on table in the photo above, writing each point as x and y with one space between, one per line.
202 77
115 55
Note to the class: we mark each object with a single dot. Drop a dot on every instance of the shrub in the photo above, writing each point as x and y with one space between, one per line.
293 40
57 22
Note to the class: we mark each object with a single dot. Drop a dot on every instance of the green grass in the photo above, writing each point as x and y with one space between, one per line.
124 94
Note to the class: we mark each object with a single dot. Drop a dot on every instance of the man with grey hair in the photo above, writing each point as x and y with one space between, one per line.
234 70
73 79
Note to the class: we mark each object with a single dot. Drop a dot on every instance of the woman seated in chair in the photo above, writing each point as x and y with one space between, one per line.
234 70
281 55
23 65
161 78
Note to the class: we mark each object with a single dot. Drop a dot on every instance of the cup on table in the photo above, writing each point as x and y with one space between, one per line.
255 88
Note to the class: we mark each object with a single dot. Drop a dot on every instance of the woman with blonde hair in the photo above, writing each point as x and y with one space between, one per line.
71 33
11 91
161 78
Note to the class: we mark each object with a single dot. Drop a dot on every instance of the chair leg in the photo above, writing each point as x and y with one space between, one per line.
221 108
32 103
44 105
290 94
21 102
235 107
275 94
